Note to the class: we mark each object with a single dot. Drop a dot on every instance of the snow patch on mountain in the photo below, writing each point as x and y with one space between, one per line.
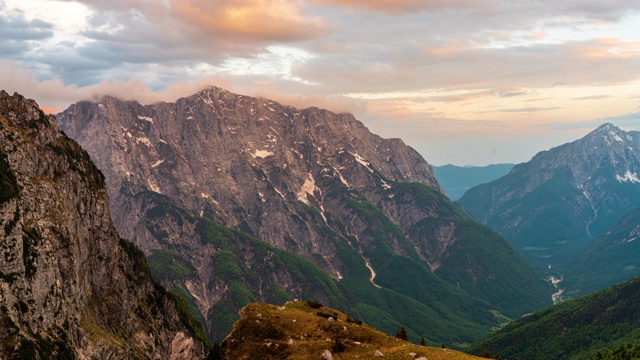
615 136
342 179
153 186
309 188
145 118
629 176
262 154
362 161
155 164
144 140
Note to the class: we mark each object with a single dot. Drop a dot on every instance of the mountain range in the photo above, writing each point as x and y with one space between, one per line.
456 180
237 199
569 209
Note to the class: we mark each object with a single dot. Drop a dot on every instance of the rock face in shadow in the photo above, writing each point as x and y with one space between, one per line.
69 286
248 199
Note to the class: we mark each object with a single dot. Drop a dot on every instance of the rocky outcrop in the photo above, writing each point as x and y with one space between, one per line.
69 286
366 210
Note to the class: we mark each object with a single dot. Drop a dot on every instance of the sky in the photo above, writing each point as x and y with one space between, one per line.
467 82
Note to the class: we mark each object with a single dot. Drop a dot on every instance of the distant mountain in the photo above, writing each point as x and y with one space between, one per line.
302 330
456 180
557 203
596 326
238 199
69 286
609 259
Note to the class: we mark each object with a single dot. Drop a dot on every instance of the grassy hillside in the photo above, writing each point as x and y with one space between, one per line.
303 330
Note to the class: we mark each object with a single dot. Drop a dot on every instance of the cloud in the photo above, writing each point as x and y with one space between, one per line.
337 104
401 66
605 11
472 95
529 109
14 26
512 93
538 99
269 20
17 34
410 60
120 39
592 97
629 120
55 95
403 6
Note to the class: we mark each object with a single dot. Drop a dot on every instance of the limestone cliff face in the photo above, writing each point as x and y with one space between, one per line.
308 181
69 287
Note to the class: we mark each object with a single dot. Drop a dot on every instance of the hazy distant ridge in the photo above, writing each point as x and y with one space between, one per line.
456 180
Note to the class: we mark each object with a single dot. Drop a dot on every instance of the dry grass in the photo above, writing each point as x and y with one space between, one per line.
297 332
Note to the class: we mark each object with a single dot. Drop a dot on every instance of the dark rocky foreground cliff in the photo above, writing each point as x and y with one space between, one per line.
238 199
69 286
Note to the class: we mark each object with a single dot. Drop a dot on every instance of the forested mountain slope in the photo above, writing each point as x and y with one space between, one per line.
605 322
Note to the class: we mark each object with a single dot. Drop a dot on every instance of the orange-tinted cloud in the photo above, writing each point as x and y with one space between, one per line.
593 97
275 20
461 97
530 109
402 6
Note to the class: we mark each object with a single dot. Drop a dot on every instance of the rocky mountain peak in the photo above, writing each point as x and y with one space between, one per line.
69 286
607 147
611 134
606 127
